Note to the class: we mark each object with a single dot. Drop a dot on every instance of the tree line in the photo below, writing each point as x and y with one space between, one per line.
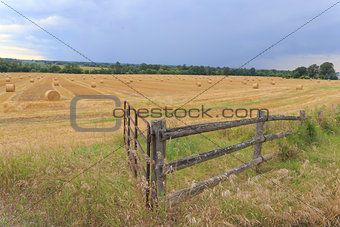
324 71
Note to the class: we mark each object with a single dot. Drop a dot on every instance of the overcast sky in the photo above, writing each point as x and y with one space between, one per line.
173 32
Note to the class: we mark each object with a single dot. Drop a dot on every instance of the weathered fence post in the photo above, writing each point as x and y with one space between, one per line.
158 154
302 116
320 117
258 133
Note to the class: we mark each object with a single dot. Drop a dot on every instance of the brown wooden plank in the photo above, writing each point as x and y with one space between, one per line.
171 133
203 157
190 192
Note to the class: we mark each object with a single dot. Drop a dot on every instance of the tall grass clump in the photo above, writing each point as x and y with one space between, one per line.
311 132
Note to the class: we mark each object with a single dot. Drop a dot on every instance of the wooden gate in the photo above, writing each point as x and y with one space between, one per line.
137 142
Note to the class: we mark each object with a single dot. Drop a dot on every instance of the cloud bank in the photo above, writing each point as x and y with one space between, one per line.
216 33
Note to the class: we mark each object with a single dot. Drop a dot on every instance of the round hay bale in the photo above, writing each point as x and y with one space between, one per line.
84 78
273 82
299 87
8 79
32 80
209 81
56 83
10 87
72 79
93 84
256 86
20 77
101 81
199 84
131 81
52 95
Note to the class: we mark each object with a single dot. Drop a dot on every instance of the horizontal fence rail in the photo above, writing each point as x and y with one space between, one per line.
206 156
190 192
172 133
160 134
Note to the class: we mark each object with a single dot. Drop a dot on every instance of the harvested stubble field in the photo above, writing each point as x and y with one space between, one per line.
39 151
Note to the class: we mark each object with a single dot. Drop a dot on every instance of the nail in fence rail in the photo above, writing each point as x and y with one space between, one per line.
157 169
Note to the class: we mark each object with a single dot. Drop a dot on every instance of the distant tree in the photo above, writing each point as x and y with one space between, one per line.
26 68
300 71
71 68
184 67
208 70
44 69
252 72
313 70
143 66
55 68
226 71
327 70
117 69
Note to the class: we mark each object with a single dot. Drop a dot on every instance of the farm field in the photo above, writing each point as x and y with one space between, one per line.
38 131
27 108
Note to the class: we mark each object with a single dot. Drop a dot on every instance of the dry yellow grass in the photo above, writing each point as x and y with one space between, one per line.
281 98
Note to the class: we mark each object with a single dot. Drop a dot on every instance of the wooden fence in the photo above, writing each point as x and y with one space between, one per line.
159 169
